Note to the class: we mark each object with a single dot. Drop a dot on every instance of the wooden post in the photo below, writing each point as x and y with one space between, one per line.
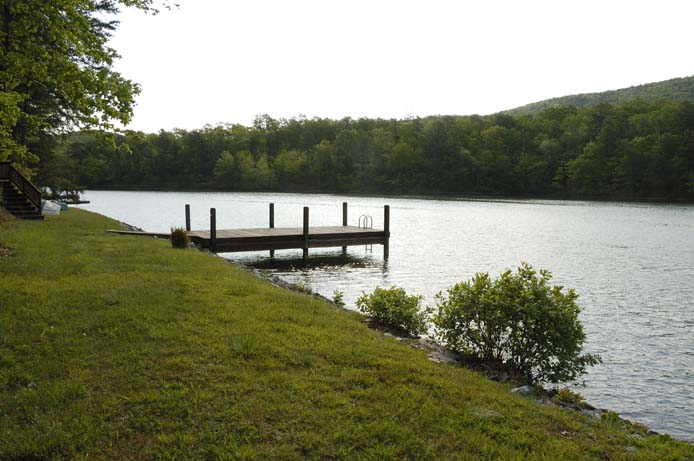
213 229
344 222
188 217
272 224
386 230
305 234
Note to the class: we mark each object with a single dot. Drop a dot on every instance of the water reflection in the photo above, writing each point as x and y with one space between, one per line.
324 262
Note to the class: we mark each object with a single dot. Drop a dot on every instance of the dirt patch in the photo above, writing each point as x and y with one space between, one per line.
5 216
5 252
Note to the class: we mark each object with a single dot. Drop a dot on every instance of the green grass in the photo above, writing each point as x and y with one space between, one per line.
117 347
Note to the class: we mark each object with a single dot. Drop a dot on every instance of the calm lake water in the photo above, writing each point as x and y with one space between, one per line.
631 264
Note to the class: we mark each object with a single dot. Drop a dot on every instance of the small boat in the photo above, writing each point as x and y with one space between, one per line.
50 208
63 205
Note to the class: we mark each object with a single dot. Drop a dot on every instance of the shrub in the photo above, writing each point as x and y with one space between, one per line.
302 287
339 298
179 238
517 318
393 308
566 395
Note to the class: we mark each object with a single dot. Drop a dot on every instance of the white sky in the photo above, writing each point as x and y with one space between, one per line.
213 61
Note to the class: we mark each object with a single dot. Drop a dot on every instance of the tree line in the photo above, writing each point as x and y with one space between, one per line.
634 150
676 89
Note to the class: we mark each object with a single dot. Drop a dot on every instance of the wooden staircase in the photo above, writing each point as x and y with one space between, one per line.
17 194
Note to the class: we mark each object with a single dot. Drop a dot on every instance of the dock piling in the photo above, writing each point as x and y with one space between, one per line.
213 229
272 224
187 217
386 230
344 222
305 234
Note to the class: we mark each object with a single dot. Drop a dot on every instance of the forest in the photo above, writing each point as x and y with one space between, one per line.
676 89
637 150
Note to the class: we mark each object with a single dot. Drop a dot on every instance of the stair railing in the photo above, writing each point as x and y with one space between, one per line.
30 191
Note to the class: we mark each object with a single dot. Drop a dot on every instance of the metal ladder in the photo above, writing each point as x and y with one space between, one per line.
366 222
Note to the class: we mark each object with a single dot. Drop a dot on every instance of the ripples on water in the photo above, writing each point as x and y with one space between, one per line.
631 264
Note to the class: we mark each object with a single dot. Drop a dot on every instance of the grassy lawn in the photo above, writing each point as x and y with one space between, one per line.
117 347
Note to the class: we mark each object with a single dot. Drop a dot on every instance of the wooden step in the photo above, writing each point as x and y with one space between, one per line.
22 208
20 213
13 197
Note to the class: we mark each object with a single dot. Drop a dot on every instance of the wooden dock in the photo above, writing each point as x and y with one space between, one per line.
281 238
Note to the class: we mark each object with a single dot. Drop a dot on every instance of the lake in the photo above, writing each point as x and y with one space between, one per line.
632 265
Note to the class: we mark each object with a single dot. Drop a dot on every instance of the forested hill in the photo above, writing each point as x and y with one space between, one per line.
636 150
677 89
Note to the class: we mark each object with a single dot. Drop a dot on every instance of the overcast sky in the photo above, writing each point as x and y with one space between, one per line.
213 61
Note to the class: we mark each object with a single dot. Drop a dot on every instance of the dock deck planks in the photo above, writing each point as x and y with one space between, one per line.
278 238
282 231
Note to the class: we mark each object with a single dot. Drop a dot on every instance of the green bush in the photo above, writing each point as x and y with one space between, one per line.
566 395
179 238
302 287
519 319
393 308
339 298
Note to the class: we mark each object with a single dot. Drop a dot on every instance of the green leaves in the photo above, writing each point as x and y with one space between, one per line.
518 318
55 69
394 308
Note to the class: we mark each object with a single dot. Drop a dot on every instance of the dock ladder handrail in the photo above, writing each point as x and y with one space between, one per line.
366 222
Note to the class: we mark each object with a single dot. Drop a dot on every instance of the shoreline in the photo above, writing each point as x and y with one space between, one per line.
439 353
432 196
142 350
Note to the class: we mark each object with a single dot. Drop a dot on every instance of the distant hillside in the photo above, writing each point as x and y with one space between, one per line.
678 89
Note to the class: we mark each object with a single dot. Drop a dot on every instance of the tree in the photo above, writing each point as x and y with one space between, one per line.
264 174
290 168
60 172
56 71
226 170
323 164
